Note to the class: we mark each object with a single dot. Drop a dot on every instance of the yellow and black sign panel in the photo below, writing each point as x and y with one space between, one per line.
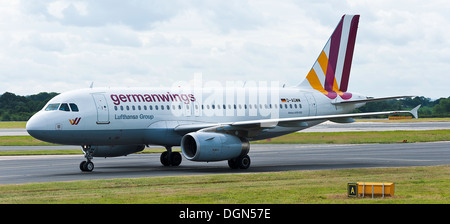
368 189
352 189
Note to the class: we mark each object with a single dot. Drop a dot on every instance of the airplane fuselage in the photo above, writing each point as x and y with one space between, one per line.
150 116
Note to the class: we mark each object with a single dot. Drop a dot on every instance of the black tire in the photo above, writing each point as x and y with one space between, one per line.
89 166
82 166
165 158
243 162
233 164
176 159
86 166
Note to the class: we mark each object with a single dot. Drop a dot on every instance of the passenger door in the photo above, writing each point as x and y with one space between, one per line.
102 108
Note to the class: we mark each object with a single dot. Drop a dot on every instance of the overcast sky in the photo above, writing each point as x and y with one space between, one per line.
402 47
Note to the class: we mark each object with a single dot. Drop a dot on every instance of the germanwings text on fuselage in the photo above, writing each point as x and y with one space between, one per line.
123 98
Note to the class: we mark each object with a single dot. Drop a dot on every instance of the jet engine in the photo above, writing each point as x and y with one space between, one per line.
212 146
115 150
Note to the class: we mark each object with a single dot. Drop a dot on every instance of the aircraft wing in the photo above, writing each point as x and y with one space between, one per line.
186 128
290 121
258 125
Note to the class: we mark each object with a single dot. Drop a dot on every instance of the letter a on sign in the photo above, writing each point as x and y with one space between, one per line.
352 189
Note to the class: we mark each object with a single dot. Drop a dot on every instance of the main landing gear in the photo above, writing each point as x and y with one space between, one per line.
169 158
88 165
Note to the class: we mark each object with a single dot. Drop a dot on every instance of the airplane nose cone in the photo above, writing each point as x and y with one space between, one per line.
35 126
31 125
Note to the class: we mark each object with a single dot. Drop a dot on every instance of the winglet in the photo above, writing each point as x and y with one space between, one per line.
414 111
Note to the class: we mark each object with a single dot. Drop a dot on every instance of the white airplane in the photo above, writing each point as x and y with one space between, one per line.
210 124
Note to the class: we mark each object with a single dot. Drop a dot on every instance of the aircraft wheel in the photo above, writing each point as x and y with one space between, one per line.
87 166
233 164
241 162
165 158
175 159
244 162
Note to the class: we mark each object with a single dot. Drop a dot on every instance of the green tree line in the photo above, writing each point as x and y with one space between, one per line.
21 108
429 108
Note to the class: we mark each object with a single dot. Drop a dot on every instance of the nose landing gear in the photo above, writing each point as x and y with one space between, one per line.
88 165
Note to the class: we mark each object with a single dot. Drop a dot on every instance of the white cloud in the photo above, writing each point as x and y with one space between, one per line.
55 45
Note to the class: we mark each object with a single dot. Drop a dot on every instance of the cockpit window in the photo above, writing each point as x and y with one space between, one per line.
53 106
74 107
64 107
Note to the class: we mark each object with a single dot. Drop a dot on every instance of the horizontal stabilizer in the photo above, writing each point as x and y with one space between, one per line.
370 100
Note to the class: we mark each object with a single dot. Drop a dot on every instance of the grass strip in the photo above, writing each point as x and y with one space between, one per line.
21 141
12 124
413 185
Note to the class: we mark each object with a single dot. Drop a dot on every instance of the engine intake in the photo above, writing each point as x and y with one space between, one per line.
211 146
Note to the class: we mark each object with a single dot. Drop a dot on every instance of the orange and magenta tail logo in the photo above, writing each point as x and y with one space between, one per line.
75 121
331 72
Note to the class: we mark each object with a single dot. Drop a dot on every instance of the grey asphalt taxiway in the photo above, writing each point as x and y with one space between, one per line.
265 158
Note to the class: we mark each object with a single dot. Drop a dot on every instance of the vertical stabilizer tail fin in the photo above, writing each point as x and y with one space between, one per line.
331 71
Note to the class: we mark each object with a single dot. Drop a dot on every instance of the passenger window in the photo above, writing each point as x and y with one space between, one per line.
53 106
64 107
74 107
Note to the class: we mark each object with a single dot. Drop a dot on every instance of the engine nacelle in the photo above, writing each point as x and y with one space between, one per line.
212 146
115 150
